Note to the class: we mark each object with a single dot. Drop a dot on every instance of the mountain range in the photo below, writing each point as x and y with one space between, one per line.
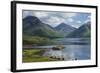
65 29
34 27
82 31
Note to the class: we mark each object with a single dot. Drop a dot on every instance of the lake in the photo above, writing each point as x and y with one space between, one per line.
74 49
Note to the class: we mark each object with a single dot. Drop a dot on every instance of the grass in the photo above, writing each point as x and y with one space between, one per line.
34 55
39 59
36 40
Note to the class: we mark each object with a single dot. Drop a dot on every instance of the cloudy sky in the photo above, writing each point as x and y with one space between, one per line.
55 18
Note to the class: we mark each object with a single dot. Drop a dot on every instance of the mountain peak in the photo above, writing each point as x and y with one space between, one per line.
64 28
65 25
33 26
62 24
31 19
82 31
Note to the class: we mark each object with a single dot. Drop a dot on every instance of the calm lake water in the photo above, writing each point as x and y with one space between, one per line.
75 49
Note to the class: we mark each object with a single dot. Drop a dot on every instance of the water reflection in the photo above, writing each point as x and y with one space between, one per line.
74 49
71 51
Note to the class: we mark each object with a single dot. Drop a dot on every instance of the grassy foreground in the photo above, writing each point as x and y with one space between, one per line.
34 55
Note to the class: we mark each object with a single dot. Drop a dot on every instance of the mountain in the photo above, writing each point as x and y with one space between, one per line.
64 28
82 31
33 26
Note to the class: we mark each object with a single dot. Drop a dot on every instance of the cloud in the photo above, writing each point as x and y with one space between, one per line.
70 20
79 22
35 13
54 21
69 14
55 18
27 13
43 14
88 19
40 14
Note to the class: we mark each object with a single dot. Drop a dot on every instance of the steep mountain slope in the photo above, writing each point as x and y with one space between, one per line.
64 28
33 26
82 31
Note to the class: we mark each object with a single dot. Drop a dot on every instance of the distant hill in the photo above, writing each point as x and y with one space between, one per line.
82 31
64 28
33 26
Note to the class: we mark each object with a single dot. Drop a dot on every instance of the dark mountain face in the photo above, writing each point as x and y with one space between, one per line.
30 22
64 28
83 31
33 26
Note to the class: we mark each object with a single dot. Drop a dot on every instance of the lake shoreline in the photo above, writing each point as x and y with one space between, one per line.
76 50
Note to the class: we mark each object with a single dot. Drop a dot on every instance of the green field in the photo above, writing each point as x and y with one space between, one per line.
36 55
37 40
